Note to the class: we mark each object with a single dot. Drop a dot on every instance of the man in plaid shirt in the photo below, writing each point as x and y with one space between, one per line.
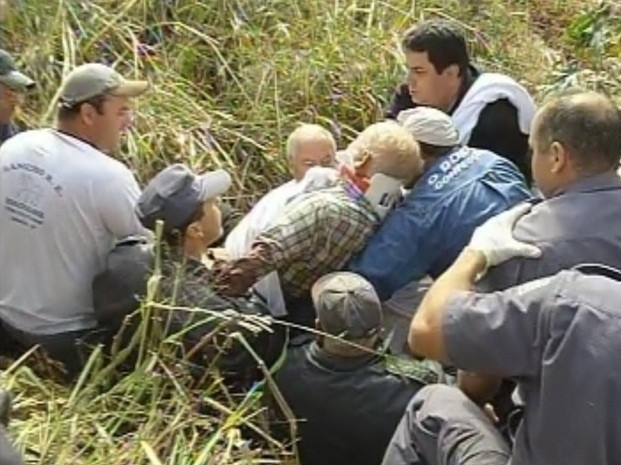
319 231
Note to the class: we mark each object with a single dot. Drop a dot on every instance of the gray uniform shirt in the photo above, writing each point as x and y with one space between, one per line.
560 339
581 224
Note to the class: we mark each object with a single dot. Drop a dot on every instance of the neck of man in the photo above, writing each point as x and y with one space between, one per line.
347 350
193 249
464 83
74 130
5 117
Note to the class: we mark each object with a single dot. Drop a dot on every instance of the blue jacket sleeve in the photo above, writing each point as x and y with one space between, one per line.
400 251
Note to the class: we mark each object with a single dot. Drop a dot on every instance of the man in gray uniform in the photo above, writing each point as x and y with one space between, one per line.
576 143
559 337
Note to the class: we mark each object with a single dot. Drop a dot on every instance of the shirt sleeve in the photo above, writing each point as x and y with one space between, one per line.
295 235
498 130
117 202
400 101
401 251
500 333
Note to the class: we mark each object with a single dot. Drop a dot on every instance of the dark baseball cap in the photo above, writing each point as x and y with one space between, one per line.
93 79
10 75
347 305
175 194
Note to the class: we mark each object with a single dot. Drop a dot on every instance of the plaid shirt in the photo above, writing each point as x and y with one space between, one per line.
317 234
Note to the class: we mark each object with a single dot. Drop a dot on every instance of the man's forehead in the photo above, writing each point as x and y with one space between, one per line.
417 58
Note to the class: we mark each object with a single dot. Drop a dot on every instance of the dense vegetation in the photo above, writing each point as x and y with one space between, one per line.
231 79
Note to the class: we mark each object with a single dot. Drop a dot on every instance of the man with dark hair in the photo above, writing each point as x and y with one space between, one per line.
64 203
12 83
491 111
559 337
346 397
460 188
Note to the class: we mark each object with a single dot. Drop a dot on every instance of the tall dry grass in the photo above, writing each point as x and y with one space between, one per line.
231 79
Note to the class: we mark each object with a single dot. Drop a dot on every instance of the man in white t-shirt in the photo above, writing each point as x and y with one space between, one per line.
307 146
64 202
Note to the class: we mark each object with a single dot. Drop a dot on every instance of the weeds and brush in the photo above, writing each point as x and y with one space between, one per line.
231 79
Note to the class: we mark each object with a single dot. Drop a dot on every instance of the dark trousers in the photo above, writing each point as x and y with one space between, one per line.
441 426
71 348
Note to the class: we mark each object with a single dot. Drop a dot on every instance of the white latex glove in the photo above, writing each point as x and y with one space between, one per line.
495 240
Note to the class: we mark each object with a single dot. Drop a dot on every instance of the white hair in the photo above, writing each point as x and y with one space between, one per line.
305 133
393 150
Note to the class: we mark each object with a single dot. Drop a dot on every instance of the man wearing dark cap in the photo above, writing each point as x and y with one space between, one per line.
188 206
12 84
64 202
346 396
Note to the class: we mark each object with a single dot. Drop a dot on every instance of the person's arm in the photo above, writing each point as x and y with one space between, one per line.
400 101
426 338
491 244
498 130
117 202
400 251
290 240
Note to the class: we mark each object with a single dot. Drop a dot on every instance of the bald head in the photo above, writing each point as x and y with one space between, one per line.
586 124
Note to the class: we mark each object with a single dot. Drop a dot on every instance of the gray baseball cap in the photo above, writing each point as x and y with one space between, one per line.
11 76
93 79
347 305
430 126
175 194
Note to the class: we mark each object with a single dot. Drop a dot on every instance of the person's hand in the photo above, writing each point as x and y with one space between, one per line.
494 238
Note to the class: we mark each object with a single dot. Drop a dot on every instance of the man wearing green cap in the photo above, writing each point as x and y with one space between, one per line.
12 84
348 397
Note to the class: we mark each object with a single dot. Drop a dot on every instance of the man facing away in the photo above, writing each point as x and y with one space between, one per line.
576 142
558 337
491 111
307 146
346 397
64 202
13 83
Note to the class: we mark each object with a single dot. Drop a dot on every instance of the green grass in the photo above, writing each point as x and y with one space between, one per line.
231 79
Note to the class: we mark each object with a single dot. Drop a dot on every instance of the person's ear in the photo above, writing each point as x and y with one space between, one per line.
451 71
194 231
560 157
88 114
362 163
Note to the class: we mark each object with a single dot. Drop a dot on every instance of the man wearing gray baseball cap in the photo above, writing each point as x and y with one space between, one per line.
67 202
349 395
13 83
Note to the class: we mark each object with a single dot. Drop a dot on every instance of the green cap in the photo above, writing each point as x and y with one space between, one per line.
347 305
94 79
11 76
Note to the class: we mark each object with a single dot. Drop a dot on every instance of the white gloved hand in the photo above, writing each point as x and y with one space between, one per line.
494 238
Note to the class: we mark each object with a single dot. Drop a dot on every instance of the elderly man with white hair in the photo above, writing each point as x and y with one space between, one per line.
320 231
461 188
308 146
